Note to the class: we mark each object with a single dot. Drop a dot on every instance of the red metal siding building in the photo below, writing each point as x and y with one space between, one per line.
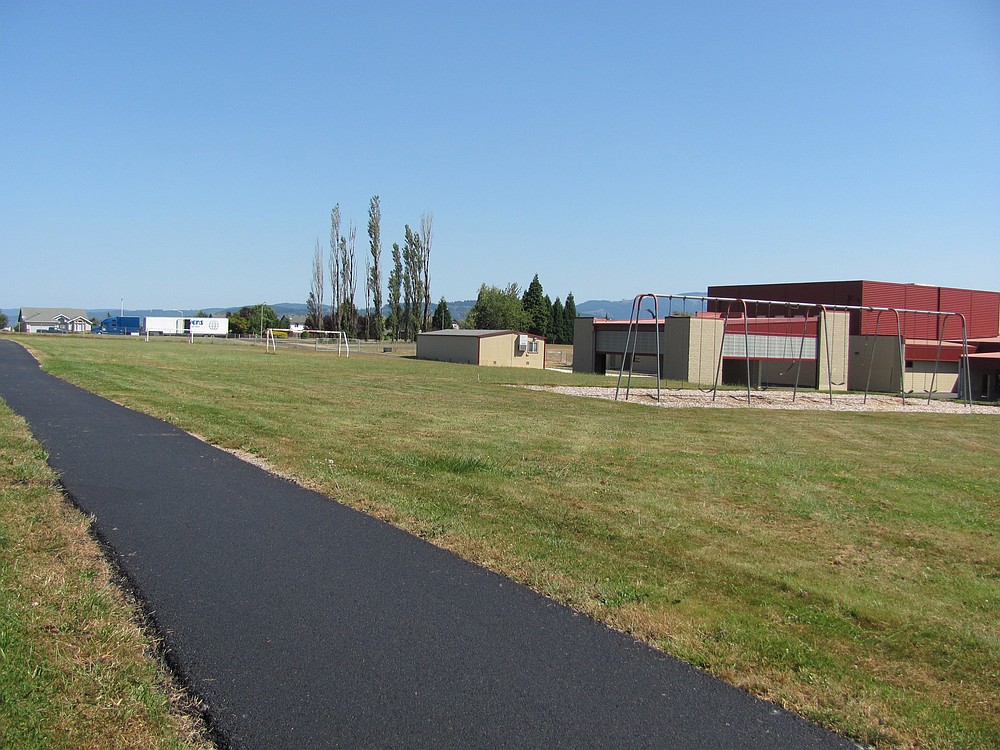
980 308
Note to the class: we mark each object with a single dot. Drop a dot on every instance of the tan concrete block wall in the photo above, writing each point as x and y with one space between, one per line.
706 346
919 377
833 350
691 349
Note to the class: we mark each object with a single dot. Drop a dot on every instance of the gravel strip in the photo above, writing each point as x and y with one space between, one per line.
776 400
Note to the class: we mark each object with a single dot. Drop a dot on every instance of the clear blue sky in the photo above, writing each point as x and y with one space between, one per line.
188 154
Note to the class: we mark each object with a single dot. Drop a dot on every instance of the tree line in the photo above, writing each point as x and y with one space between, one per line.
531 311
408 284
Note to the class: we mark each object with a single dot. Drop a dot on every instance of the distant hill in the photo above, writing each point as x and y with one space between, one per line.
622 309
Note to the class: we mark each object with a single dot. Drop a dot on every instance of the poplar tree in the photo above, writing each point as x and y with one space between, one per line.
335 267
375 274
413 282
426 232
395 291
317 287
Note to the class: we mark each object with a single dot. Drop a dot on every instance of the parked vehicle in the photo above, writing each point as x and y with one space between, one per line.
126 325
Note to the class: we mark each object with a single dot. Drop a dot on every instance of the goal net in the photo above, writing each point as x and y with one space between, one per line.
307 338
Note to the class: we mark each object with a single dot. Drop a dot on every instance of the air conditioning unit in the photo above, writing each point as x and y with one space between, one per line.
522 343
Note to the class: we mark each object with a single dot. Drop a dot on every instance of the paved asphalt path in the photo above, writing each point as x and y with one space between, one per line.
304 624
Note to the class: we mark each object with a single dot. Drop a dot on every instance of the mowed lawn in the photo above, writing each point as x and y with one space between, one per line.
845 565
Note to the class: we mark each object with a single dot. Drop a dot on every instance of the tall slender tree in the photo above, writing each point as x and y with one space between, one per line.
556 326
569 318
368 298
426 234
395 290
349 280
335 265
375 273
314 318
413 282
318 285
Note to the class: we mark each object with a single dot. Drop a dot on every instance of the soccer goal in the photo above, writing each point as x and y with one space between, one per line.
318 339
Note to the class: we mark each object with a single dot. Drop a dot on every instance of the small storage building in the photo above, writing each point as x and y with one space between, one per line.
482 347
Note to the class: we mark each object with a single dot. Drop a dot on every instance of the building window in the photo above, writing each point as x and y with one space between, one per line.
533 346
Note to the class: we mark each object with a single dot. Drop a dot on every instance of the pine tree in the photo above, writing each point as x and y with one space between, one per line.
538 313
442 317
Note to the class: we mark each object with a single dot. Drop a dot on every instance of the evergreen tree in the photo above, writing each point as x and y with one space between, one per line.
442 317
569 318
537 312
556 328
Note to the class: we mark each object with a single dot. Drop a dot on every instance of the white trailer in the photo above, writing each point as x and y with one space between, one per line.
165 326
209 326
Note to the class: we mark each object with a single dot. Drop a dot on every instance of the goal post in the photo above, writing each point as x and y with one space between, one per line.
271 341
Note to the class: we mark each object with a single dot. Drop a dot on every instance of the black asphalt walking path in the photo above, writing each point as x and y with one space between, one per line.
305 624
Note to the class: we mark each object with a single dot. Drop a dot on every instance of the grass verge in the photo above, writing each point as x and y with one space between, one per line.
843 564
76 672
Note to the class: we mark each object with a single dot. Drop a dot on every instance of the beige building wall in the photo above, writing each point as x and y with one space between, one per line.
449 348
920 375
880 354
691 349
498 350
502 351
833 350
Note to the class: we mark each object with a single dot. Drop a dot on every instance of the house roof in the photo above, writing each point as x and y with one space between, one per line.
37 315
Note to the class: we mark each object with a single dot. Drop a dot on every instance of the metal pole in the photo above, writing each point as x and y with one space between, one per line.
746 345
802 344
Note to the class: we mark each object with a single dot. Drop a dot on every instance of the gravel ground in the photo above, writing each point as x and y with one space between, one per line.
777 400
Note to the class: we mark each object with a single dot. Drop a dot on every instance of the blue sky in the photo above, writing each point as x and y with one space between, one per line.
189 154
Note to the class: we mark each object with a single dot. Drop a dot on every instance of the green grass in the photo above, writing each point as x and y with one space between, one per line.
75 671
843 564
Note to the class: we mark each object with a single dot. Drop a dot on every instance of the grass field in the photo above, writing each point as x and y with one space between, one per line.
845 565
75 671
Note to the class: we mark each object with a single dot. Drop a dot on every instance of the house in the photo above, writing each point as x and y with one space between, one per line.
53 320
482 347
